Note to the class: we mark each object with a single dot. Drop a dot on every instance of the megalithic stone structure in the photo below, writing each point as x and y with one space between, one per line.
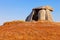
40 14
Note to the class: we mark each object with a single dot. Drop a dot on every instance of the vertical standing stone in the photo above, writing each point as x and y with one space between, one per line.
49 16
41 14
29 18
32 14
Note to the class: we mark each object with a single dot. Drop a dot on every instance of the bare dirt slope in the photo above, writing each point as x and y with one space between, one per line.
30 31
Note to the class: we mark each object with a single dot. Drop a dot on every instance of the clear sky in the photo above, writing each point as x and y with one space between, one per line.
19 9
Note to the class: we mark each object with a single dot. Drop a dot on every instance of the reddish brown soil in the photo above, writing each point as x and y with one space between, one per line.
30 31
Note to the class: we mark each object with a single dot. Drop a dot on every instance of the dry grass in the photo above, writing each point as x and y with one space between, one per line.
17 30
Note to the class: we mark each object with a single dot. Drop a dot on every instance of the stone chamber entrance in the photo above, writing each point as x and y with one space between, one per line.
35 16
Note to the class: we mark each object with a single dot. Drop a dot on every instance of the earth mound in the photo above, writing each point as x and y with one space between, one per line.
19 30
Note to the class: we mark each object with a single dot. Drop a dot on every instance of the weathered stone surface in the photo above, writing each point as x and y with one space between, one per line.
44 7
41 13
29 18
48 13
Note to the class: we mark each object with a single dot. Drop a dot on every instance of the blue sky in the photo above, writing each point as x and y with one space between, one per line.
19 9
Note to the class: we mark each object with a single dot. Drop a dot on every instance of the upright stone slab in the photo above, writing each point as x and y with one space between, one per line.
41 14
49 16
29 18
